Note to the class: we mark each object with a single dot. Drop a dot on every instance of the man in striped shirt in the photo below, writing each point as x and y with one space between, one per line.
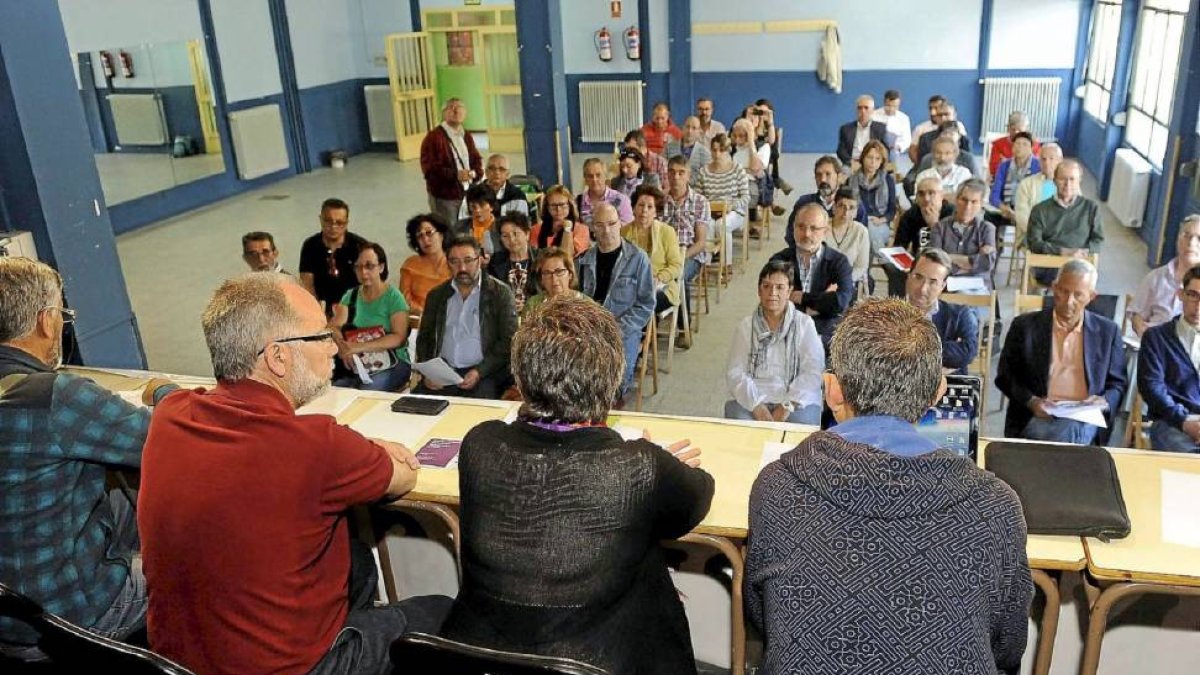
689 213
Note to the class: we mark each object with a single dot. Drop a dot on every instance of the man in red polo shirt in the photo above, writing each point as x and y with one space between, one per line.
660 130
243 503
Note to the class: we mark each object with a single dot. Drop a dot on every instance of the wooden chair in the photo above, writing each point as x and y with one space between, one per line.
697 292
1045 261
670 316
647 360
1024 303
983 348
718 256
1137 432
423 653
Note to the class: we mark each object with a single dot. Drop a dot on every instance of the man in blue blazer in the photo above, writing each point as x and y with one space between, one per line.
1167 376
1065 353
957 326
823 281
854 135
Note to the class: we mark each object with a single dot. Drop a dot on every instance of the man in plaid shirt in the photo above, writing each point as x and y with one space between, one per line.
688 212
64 541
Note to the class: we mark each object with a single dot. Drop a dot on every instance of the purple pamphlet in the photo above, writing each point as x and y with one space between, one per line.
439 452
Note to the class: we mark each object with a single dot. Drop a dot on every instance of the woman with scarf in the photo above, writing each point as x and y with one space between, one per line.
776 358
876 189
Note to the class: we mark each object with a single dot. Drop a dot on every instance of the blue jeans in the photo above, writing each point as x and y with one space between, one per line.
363 643
632 344
1060 430
808 414
392 379
1163 436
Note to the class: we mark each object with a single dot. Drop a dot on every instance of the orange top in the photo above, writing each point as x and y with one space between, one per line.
1068 381
418 276
581 236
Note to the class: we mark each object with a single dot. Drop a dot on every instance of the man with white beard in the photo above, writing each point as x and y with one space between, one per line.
65 541
243 503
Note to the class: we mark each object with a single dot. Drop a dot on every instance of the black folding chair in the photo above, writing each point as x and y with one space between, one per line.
72 649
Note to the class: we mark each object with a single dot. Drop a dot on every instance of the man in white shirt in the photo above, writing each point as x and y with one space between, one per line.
945 166
1157 299
898 124
259 252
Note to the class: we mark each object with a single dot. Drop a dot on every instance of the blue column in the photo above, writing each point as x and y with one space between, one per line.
1075 104
51 187
679 79
543 89
652 95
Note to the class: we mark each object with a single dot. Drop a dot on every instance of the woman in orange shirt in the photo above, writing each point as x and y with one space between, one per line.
427 269
559 216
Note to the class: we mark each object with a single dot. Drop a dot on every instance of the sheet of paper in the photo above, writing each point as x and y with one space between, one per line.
361 370
627 432
965 284
438 371
1080 412
381 422
332 402
1180 503
772 451
133 396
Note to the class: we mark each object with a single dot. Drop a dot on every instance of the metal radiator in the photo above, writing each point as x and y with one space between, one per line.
608 110
380 121
138 119
1037 97
1130 187
258 141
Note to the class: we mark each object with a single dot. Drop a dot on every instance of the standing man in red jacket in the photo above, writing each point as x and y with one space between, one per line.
450 161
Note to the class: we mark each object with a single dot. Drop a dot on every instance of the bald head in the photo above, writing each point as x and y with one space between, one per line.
606 227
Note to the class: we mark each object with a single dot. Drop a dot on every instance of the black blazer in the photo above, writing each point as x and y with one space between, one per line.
846 139
832 268
1024 370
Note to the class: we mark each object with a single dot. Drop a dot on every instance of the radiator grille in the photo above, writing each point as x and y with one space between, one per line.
1037 97
258 142
138 119
609 109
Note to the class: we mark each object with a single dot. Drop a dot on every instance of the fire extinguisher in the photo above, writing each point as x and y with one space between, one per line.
106 63
603 41
633 44
126 63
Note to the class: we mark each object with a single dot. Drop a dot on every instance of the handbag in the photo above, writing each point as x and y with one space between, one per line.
372 361
1064 489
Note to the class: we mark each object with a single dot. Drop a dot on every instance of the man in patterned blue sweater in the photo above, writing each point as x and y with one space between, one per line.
871 549
64 541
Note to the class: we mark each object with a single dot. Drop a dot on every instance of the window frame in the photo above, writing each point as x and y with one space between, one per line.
1100 66
1150 100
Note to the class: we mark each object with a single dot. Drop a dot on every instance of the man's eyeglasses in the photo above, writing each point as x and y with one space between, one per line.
315 337
461 262
68 315
265 253
1191 296
335 223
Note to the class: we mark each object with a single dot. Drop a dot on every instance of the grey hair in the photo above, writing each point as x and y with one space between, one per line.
1019 118
1189 220
938 256
568 361
243 316
887 357
451 102
1053 147
972 185
865 97
1080 267
26 286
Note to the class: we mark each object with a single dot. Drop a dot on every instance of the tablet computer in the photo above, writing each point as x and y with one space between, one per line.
954 422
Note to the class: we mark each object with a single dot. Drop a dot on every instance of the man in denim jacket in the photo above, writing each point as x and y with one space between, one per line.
616 274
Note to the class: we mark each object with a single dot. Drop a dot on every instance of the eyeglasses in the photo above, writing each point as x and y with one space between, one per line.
1191 296
68 315
559 205
367 266
462 262
425 234
315 337
554 273
265 253
335 223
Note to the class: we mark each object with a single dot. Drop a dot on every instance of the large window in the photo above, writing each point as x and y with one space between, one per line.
1102 58
1155 70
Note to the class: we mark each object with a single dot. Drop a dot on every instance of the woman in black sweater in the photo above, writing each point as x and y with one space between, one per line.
561 518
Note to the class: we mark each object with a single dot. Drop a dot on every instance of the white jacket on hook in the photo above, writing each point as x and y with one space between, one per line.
829 63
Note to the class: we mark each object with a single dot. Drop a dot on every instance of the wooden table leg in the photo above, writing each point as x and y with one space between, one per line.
1048 629
1098 622
737 664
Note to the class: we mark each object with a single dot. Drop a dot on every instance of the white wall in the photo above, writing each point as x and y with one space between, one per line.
246 43
92 25
875 35
580 21
377 19
660 37
1020 29
323 40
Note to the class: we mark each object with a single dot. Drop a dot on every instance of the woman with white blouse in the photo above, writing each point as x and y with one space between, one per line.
849 236
775 358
